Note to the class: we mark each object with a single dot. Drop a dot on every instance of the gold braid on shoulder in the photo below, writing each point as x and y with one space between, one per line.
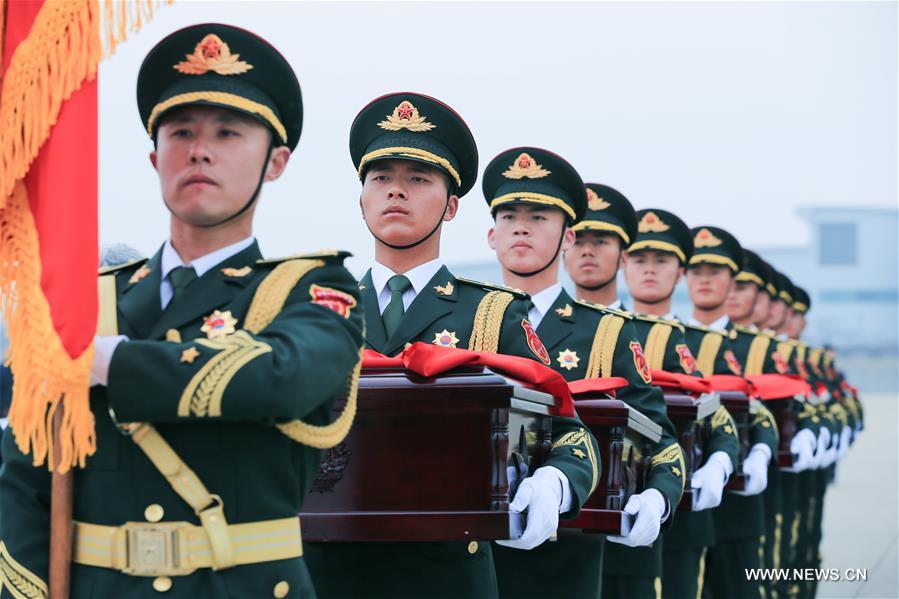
266 305
603 351
488 321
656 342
708 351
755 358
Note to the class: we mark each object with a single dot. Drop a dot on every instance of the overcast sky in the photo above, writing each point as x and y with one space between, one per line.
733 114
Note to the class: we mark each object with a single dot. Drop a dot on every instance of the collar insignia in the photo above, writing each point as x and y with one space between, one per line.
139 274
362 287
189 355
445 338
568 359
212 54
706 239
525 166
237 272
566 311
594 202
405 116
218 324
445 289
651 223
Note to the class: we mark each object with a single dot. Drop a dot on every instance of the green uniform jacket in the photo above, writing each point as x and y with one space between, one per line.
587 341
466 313
667 340
738 516
292 369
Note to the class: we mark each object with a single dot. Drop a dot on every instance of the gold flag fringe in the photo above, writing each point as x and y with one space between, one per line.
61 52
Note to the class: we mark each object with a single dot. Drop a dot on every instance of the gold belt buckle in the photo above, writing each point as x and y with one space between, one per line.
152 549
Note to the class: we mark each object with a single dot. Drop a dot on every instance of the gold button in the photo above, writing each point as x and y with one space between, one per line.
162 584
154 512
281 589
473 547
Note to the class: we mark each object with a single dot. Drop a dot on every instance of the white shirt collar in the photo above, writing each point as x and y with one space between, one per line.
543 301
719 325
419 276
616 305
171 260
670 316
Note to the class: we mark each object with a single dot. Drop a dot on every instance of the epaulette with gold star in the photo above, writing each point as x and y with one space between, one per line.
492 287
107 270
331 256
622 313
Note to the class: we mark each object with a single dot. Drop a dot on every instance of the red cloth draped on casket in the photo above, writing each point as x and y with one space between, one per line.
430 360
779 386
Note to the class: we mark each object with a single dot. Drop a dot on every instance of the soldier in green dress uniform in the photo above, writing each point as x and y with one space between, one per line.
536 197
415 158
214 370
654 264
714 272
607 229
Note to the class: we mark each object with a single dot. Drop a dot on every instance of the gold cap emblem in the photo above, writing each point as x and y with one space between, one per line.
405 116
525 166
594 202
212 54
651 223
706 239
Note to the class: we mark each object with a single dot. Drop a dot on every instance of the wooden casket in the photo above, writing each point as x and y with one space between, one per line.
786 414
688 413
626 438
738 404
426 459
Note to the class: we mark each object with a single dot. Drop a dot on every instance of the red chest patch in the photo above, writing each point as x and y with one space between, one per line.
732 363
640 362
534 342
333 299
687 361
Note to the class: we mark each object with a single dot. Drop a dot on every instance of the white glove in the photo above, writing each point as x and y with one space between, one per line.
755 467
103 350
845 440
649 507
821 448
710 480
542 495
803 447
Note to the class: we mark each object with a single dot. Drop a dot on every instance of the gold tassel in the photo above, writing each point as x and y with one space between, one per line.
61 52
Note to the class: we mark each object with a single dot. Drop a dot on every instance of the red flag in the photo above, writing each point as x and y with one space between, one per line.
48 213
730 382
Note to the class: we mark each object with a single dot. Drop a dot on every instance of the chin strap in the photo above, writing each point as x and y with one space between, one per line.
420 241
250 202
545 266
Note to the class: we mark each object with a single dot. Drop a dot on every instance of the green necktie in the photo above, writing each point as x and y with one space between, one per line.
393 314
180 277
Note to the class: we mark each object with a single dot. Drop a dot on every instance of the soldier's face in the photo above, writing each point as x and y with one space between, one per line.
709 284
741 300
761 308
794 325
651 275
403 200
209 162
777 313
594 259
526 237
